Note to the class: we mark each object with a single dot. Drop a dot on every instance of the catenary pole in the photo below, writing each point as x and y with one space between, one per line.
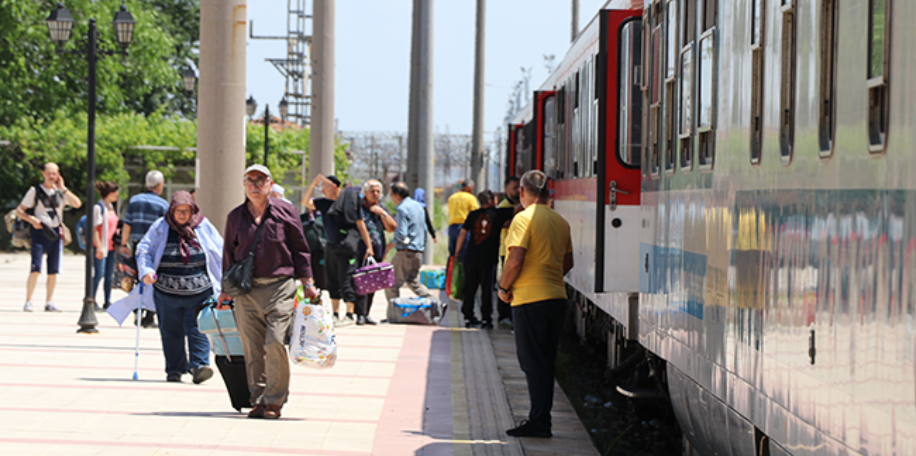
575 20
424 106
321 148
477 171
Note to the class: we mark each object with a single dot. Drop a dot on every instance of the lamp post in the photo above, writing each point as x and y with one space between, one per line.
251 106
60 24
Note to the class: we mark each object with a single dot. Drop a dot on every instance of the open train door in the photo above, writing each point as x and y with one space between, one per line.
619 224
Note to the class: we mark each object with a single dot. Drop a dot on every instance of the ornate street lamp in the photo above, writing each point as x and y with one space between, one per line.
60 24
189 78
284 108
251 106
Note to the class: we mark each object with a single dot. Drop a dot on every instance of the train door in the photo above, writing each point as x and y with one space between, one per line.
619 145
516 135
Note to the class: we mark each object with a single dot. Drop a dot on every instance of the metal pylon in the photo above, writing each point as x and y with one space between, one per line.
295 67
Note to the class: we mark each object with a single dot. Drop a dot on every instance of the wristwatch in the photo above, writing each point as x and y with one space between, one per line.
504 290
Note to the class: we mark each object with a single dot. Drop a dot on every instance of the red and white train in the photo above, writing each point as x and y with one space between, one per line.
738 177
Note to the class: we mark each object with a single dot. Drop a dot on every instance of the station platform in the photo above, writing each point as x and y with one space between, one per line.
396 390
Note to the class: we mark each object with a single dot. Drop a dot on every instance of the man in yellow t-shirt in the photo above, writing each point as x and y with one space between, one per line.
459 206
540 254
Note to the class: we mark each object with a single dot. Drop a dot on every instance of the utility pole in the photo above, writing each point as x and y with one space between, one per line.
575 20
221 108
421 82
477 171
321 148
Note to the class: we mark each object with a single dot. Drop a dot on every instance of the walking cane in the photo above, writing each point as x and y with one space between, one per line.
137 349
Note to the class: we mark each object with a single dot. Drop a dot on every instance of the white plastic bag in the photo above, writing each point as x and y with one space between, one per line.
313 342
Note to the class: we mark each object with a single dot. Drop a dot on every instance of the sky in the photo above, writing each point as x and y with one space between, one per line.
372 71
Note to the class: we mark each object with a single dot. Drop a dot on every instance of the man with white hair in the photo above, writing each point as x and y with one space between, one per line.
142 210
377 220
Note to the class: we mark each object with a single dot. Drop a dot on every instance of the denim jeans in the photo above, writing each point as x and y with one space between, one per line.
178 321
103 267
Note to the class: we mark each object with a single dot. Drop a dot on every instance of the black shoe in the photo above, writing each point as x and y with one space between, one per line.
526 429
201 374
486 325
97 309
360 320
475 323
370 321
149 320
173 378
106 306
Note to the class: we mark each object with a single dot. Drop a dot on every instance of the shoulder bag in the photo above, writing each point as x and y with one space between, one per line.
238 278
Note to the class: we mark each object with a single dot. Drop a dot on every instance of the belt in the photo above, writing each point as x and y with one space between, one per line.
267 280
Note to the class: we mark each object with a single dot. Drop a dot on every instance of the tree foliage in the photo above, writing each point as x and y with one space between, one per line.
38 82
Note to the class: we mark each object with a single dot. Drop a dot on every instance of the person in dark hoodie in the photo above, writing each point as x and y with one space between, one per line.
344 228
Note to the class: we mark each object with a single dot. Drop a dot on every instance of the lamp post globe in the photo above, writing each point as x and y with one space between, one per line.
189 78
250 106
284 108
60 23
123 24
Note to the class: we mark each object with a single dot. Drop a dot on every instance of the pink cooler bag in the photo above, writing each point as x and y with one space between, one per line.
373 277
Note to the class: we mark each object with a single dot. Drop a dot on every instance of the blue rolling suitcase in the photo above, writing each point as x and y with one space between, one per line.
219 326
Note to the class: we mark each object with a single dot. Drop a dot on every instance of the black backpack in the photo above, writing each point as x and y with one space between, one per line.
313 228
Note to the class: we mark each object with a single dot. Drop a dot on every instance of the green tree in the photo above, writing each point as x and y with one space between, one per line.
37 82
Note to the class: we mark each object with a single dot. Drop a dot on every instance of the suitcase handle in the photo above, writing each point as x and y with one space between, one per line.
219 330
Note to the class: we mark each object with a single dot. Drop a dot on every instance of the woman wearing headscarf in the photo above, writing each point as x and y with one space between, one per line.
180 261
419 195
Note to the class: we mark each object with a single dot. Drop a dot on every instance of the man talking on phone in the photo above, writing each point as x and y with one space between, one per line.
43 208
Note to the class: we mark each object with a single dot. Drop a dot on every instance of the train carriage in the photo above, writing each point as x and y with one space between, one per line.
737 176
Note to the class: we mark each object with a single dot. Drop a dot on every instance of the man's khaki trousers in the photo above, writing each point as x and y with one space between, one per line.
264 316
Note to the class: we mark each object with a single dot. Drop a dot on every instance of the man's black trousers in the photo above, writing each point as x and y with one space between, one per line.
537 337
478 275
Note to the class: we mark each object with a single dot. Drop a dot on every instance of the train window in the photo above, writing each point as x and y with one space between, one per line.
710 12
758 11
686 116
690 21
561 133
878 45
550 137
826 125
706 98
671 47
630 135
787 92
520 151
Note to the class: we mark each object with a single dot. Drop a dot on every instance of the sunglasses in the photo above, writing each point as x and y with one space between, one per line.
259 182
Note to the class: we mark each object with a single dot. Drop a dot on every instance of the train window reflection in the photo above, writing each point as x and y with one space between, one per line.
686 116
826 125
706 98
787 92
758 15
630 134
877 85
671 46
550 137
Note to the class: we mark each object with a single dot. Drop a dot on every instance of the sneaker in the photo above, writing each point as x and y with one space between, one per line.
50 307
486 325
149 320
505 323
475 323
528 429
201 374
370 321
345 321
28 306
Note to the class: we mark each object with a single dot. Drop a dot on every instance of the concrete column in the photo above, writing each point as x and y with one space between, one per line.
477 162
221 107
421 79
575 21
321 142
